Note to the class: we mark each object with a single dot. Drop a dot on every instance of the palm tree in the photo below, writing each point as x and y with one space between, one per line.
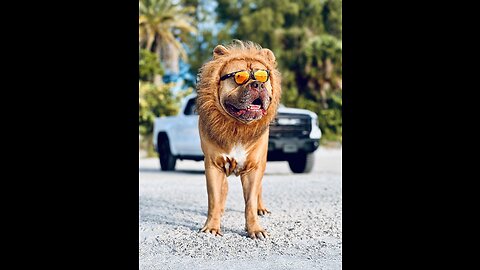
163 27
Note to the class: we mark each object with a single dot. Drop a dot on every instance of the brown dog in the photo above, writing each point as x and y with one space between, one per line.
237 97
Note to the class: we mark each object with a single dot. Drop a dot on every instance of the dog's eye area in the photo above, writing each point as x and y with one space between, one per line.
261 75
241 77
257 101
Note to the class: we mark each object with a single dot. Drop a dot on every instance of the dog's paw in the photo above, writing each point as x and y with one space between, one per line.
263 211
212 229
258 233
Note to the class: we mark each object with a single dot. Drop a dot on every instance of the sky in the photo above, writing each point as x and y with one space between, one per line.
207 17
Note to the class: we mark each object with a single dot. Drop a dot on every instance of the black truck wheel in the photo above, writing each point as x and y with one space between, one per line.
167 160
302 162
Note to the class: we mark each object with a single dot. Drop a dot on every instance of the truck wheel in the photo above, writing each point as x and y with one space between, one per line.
167 160
302 163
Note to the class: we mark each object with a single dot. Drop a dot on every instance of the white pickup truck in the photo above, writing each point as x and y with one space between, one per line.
294 136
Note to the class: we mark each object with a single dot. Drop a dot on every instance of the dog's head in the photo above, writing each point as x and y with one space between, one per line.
239 86
245 91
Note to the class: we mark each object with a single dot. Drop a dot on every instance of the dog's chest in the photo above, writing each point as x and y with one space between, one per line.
235 160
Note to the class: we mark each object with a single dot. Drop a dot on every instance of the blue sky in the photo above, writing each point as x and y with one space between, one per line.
207 15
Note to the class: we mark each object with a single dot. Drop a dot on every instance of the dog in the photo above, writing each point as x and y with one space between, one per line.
238 93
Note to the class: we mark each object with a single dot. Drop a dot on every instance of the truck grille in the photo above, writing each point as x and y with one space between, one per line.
290 125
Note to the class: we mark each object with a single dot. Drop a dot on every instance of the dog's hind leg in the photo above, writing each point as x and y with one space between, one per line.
261 209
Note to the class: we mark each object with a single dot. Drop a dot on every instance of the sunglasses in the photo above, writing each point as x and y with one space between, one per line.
243 76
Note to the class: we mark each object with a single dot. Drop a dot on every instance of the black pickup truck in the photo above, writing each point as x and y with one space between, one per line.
294 136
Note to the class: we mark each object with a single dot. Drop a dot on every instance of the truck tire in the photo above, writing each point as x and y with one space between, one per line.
167 160
302 162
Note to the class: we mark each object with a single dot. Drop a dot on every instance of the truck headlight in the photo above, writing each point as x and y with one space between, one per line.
316 133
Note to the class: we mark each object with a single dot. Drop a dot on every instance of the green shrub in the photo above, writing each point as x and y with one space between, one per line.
155 101
148 65
330 120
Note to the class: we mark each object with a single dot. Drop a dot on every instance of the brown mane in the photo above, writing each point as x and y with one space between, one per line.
221 128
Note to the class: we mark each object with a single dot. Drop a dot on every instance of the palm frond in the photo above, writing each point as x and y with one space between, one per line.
166 23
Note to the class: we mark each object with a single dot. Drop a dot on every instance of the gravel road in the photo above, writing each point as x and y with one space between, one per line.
305 225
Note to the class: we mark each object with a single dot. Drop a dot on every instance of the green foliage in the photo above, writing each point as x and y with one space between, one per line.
331 119
156 101
146 144
164 23
148 65
306 37
332 14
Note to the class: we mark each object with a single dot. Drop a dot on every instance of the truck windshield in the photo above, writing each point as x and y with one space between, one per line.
190 108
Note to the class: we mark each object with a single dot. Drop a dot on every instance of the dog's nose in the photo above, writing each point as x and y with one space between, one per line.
257 85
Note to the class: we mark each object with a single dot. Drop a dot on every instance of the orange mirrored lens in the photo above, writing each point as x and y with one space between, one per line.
241 77
261 75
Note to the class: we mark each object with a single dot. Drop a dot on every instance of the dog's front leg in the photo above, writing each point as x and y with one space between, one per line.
251 183
215 179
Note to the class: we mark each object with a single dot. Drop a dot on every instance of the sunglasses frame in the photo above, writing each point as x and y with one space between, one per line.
251 72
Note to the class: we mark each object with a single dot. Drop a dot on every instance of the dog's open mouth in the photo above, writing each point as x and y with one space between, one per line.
253 111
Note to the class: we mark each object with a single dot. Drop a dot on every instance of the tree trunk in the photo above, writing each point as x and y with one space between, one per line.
170 56
328 69
150 40
157 78
325 85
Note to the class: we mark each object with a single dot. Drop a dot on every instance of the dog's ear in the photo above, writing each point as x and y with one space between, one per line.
219 51
269 55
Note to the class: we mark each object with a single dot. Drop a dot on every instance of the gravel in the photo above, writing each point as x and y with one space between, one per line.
305 225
